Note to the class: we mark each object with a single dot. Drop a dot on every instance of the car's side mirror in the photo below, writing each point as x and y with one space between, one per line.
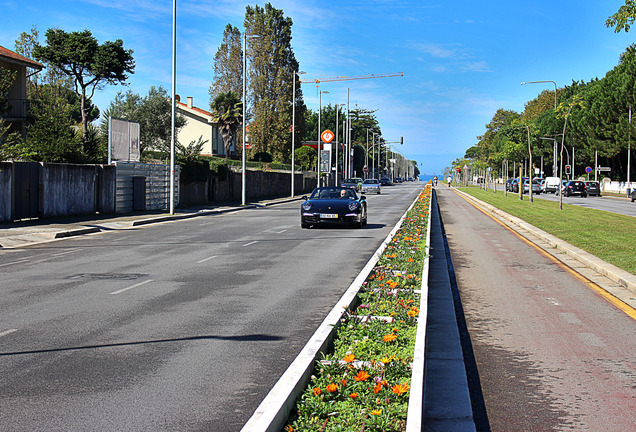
305 197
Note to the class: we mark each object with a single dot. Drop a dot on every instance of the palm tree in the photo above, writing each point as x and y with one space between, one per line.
227 110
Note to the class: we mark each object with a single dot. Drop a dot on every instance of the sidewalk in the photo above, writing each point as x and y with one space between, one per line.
27 233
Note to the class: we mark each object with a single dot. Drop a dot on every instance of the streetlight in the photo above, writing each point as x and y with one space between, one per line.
244 156
554 164
174 101
336 182
293 146
320 93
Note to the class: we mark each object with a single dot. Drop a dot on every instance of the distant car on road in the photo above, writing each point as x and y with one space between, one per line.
371 186
593 188
333 205
398 180
536 186
633 195
354 182
385 181
575 187
551 184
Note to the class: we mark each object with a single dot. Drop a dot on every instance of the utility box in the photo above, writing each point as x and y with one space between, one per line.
139 193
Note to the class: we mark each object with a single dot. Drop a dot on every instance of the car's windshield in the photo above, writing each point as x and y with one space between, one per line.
333 193
370 181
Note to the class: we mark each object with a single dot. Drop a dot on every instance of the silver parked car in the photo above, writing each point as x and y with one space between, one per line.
371 186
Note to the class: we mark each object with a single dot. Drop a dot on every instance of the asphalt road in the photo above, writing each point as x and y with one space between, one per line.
182 325
551 353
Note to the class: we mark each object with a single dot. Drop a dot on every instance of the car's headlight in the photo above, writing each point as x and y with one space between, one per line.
353 205
306 206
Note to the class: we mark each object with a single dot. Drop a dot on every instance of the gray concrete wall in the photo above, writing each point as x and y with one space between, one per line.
68 189
5 191
261 184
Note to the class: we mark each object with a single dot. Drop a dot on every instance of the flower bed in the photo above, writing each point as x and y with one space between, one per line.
363 383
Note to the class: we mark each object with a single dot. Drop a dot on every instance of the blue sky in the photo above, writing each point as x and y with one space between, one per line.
462 60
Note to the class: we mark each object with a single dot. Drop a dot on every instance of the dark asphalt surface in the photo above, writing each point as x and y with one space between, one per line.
551 353
180 325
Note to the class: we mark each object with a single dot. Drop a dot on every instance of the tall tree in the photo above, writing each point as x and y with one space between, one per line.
272 71
91 65
227 110
228 64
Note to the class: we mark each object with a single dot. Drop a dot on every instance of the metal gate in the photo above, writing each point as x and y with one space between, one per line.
26 193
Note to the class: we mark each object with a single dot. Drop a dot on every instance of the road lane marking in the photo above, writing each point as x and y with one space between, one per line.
65 253
250 243
131 287
15 262
8 332
280 232
206 259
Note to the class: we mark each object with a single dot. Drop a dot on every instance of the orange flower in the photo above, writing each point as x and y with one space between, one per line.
398 389
343 383
409 260
353 395
288 428
316 391
362 376
413 312
392 284
389 338
331 388
377 388
349 358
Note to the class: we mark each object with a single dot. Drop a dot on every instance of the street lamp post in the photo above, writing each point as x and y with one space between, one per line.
336 180
554 164
244 156
319 133
293 146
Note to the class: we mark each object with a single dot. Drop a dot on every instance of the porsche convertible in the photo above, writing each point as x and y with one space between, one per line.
333 205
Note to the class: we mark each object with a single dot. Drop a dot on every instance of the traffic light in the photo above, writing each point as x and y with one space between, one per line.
568 168
401 140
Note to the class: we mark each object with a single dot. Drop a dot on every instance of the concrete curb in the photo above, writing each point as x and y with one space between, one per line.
608 270
273 412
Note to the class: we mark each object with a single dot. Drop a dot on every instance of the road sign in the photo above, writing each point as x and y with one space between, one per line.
325 161
327 136
588 169
365 169
603 169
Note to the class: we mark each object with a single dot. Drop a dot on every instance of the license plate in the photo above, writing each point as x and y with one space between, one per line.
328 216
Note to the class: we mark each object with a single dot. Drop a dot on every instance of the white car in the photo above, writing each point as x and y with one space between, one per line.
371 186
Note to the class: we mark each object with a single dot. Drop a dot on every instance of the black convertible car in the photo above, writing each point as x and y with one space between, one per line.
329 205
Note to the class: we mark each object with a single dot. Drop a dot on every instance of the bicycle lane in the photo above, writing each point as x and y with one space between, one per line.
552 354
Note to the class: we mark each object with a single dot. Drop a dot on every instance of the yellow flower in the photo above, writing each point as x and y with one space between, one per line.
362 376
389 338
398 389
385 360
413 312
376 412
331 388
316 391
349 358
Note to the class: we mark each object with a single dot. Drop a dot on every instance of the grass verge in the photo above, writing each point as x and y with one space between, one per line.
606 235
363 383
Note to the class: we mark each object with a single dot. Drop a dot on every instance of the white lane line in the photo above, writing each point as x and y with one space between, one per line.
8 332
15 262
65 253
131 287
250 243
280 232
206 259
